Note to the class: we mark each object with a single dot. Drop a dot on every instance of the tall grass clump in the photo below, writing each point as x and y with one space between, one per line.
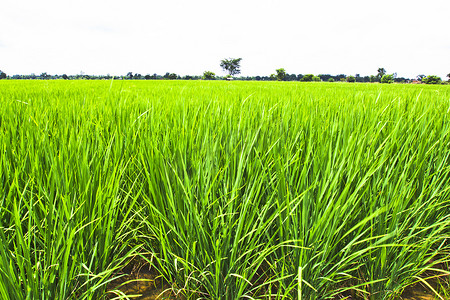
228 189
64 202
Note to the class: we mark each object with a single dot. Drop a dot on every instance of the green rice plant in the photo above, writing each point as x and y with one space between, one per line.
64 227
202 192
230 190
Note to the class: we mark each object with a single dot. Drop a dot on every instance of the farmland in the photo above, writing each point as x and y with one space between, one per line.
227 190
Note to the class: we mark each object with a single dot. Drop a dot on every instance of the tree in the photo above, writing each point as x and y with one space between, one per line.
387 78
208 75
351 78
307 77
448 75
290 77
65 77
281 73
340 77
330 80
432 79
44 75
2 75
381 73
420 77
325 77
231 65
172 76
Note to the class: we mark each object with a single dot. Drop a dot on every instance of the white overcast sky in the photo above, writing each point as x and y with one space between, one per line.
188 37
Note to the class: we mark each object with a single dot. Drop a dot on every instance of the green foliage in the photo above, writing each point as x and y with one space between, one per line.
231 65
173 76
432 79
208 75
307 77
316 78
231 191
381 73
387 78
281 74
44 76
330 80
2 75
351 78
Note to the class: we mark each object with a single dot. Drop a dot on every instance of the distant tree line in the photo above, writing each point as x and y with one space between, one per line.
207 75
232 67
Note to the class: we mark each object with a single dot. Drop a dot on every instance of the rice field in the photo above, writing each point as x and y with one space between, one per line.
226 190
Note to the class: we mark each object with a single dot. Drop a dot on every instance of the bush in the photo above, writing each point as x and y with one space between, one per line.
208 75
331 80
351 79
387 78
307 77
432 79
